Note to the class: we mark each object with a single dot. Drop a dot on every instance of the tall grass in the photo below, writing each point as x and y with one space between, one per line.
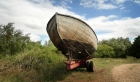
33 66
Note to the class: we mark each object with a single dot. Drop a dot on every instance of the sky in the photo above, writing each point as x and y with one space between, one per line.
108 18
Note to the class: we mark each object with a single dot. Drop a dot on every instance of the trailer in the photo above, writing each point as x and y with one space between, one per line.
74 38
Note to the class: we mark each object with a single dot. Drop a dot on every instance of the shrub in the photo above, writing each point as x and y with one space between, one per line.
104 51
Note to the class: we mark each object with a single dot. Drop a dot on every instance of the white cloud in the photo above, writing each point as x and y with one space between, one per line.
122 8
107 28
137 1
119 1
97 4
34 37
30 16
103 4
64 3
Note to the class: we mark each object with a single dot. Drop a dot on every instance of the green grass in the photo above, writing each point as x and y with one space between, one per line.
33 66
102 67
47 65
110 62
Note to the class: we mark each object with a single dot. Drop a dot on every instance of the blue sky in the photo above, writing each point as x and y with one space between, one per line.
122 8
108 18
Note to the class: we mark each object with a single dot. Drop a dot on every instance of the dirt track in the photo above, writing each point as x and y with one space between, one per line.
126 73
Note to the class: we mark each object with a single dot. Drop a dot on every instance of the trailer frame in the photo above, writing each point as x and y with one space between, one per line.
72 64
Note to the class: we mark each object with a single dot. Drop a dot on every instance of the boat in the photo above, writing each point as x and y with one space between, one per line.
72 36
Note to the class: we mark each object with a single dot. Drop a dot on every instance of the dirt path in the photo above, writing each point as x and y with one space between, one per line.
126 73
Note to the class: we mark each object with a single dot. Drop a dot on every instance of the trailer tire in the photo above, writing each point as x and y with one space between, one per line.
87 65
91 66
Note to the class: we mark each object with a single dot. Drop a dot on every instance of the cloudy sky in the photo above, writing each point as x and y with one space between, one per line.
108 18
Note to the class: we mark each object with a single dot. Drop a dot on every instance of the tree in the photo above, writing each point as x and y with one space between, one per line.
104 51
135 48
120 46
32 45
12 41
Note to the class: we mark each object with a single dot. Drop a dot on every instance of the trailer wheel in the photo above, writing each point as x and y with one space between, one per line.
87 65
91 66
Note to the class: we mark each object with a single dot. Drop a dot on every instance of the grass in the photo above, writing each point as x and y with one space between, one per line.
111 62
47 65
33 66
103 68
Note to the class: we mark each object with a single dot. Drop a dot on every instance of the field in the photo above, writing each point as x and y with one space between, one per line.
39 66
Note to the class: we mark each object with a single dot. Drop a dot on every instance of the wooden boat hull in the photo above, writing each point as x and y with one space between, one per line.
72 36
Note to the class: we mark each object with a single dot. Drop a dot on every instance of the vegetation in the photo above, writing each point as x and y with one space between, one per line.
104 51
31 62
12 41
22 60
33 66
135 49
39 66
115 48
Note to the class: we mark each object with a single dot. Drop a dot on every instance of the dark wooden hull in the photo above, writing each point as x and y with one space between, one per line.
72 36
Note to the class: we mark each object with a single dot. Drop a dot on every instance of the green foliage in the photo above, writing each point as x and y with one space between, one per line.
44 63
120 46
37 64
104 51
31 45
34 66
12 41
135 49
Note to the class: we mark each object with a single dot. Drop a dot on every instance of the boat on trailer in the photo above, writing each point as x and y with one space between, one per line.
74 38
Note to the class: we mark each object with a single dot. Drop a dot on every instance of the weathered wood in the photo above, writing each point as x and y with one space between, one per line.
70 34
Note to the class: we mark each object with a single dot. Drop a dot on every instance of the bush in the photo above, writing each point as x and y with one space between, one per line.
120 46
104 51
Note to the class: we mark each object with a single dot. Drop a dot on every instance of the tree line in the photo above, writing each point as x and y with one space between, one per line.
114 48
14 41
118 48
